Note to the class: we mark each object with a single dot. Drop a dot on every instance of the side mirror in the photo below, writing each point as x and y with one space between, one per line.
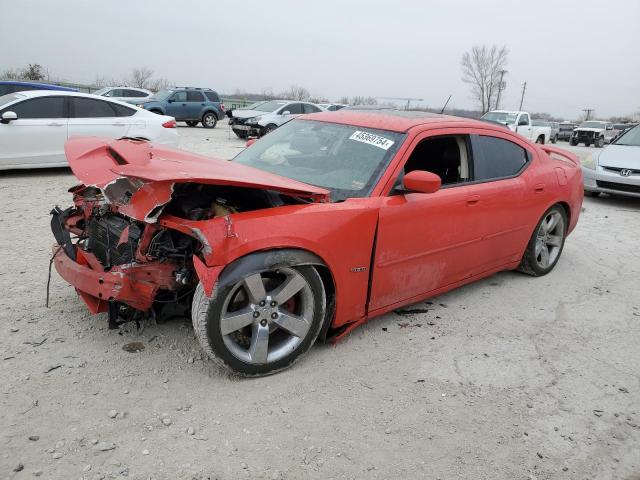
8 117
422 181
171 100
286 112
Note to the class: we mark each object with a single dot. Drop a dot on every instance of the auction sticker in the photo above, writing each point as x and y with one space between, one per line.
372 139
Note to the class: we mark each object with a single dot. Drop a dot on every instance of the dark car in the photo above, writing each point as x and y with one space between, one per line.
565 130
187 104
12 87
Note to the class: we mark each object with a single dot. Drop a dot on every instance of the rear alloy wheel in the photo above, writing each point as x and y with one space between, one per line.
209 120
263 322
192 123
546 243
599 143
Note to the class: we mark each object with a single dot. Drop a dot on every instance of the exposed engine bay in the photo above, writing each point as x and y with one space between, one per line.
160 259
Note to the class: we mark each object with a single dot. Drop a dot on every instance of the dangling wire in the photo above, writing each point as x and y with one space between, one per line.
53 257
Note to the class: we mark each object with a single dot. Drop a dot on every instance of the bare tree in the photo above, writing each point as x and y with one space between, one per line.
140 77
10 74
360 100
481 69
158 84
296 92
318 99
267 94
344 100
33 71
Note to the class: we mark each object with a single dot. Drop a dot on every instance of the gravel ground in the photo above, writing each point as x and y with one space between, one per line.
509 378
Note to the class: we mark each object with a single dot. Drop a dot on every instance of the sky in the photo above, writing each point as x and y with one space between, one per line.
573 54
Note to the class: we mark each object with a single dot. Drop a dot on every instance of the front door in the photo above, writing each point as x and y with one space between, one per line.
37 137
177 106
428 241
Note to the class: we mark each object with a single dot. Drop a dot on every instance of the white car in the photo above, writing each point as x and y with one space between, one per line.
521 123
268 116
125 94
34 125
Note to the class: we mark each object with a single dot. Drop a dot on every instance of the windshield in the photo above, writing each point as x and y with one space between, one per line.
161 95
344 159
271 106
5 99
253 106
592 125
630 138
502 117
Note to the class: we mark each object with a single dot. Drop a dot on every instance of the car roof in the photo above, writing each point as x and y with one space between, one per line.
58 93
37 85
393 120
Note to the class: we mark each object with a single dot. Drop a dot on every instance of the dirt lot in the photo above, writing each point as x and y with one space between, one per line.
509 378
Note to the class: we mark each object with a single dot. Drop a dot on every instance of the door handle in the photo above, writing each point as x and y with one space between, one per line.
473 200
118 124
539 188
54 124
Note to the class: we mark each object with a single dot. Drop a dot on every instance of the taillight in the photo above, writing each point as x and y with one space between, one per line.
222 107
170 124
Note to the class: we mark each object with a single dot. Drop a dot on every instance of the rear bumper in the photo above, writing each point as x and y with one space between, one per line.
135 285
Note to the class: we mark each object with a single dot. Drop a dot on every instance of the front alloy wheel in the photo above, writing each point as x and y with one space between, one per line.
263 322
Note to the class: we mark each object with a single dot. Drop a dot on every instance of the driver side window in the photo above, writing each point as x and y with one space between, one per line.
446 156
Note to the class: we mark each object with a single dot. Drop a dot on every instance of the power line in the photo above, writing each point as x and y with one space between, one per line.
588 112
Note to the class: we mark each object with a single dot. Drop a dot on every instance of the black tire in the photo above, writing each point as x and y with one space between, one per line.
587 144
540 140
530 263
209 120
573 142
206 316
241 134
192 123
599 143
554 139
269 128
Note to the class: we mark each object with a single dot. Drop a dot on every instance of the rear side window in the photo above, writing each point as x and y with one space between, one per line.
195 97
90 108
46 107
122 111
293 108
133 94
212 96
497 158
311 108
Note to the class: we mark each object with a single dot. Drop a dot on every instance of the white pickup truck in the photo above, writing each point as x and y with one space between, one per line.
520 122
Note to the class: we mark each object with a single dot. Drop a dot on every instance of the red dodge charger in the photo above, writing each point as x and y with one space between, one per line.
328 221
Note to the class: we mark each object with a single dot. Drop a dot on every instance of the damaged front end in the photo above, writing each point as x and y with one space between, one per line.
111 246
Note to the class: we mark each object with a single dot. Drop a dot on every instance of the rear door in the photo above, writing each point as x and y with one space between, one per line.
37 137
100 118
195 104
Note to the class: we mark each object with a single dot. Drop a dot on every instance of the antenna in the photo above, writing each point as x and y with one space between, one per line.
445 104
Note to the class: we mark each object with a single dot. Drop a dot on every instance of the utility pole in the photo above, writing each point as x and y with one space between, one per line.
502 72
524 89
588 112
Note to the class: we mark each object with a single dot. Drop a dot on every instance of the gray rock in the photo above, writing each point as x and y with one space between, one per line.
113 413
18 468
57 455
166 421
34 438
105 447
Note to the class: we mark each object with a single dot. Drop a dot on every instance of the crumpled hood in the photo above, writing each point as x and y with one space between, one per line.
620 156
138 176
247 113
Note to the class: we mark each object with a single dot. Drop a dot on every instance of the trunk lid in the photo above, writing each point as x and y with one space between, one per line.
138 176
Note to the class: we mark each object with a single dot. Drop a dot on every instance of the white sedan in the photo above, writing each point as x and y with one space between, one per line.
34 125
125 94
